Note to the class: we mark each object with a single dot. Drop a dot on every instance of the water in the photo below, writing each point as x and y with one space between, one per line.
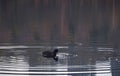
84 61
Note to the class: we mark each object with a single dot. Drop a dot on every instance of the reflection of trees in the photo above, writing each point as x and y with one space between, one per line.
85 21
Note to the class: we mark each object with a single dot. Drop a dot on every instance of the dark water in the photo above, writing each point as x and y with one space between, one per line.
75 61
60 21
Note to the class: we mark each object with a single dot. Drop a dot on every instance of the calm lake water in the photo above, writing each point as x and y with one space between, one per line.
72 61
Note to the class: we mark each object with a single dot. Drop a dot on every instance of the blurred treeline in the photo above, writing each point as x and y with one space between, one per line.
49 21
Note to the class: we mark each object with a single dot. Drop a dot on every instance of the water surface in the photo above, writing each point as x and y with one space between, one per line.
75 61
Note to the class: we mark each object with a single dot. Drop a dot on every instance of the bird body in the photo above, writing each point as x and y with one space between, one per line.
49 54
